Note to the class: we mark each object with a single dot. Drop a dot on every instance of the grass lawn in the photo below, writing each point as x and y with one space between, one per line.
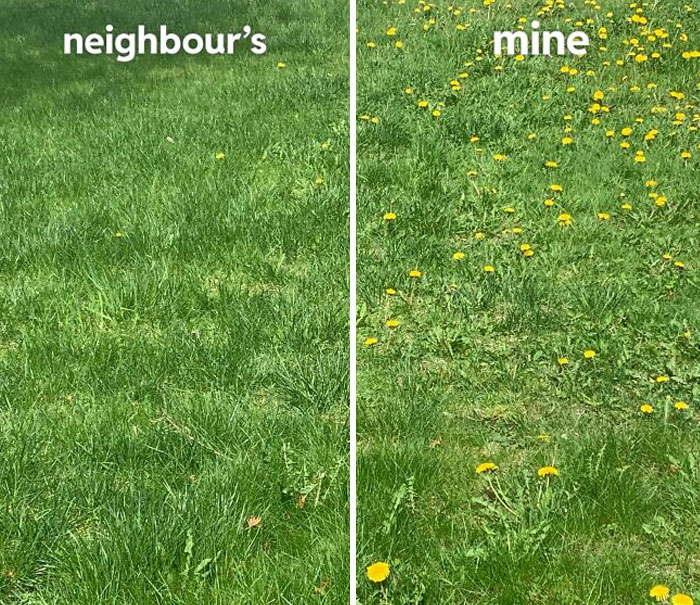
549 210
173 325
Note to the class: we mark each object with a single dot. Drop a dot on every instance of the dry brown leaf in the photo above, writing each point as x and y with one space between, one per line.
253 522
323 586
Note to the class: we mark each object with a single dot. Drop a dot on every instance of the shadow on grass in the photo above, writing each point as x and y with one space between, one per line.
31 40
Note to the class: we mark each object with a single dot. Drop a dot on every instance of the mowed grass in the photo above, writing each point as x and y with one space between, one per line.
173 327
472 370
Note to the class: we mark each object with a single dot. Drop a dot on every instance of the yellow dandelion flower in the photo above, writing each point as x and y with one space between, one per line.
681 599
378 572
563 361
390 216
414 273
646 408
680 405
392 323
564 219
485 467
589 353
556 188
489 269
661 379
546 471
604 216
458 255
390 291
220 156
659 592
370 341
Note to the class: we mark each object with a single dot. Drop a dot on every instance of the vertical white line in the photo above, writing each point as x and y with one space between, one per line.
353 302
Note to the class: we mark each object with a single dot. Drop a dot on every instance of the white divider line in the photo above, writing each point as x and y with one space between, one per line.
353 302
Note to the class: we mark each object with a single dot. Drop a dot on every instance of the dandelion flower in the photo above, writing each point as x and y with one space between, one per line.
546 471
589 353
414 273
390 216
681 599
393 323
680 405
370 341
390 291
646 408
564 219
220 155
378 572
659 592
562 361
458 255
661 379
485 467
489 269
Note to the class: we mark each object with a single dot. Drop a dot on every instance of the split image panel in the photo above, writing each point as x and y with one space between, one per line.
527 317
174 306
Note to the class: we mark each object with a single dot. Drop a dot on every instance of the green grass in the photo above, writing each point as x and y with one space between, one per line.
471 373
160 387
